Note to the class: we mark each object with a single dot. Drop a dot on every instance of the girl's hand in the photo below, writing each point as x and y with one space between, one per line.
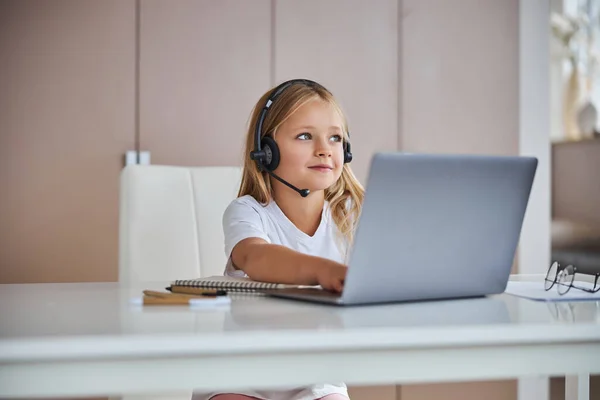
331 276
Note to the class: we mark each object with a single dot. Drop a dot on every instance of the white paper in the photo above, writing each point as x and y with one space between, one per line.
208 301
536 291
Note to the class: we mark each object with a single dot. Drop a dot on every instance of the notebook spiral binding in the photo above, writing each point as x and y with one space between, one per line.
249 286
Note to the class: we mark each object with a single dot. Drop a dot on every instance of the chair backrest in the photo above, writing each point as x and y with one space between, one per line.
171 221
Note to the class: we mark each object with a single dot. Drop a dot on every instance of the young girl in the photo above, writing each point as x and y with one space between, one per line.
297 206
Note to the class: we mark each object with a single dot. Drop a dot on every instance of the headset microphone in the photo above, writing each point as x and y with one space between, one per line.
302 192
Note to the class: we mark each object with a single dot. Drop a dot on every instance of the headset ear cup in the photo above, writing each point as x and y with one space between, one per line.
347 153
271 162
347 157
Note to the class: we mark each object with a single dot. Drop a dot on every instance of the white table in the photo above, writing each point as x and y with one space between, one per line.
86 339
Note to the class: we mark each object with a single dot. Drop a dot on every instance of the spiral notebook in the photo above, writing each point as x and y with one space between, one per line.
230 284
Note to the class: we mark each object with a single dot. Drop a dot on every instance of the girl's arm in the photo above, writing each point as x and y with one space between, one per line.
266 262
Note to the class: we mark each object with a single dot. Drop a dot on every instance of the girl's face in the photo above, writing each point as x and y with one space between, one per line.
311 146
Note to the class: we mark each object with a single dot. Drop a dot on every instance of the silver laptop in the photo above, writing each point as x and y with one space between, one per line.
434 227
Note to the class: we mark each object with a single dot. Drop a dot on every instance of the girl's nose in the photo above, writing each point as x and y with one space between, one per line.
324 152
323 149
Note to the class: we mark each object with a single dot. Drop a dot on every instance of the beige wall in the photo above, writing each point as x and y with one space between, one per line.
66 120
194 111
203 66
459 76
352 48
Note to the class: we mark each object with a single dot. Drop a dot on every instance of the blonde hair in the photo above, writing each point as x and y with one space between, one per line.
345 196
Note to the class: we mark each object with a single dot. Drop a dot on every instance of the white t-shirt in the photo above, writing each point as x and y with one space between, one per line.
245 218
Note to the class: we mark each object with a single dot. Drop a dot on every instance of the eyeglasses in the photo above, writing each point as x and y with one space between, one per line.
564 278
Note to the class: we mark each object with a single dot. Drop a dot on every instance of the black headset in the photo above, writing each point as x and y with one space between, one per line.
266 152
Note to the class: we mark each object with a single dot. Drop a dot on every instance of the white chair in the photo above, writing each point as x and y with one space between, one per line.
170 228
170 221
